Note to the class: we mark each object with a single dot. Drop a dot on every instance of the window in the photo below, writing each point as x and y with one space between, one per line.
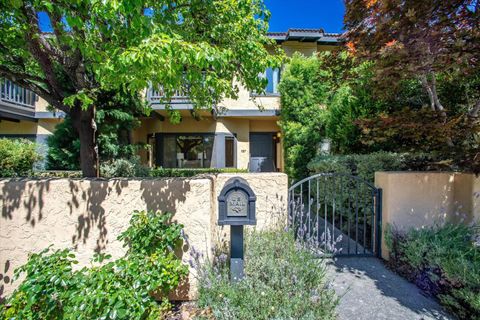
187 151
273 77
229 152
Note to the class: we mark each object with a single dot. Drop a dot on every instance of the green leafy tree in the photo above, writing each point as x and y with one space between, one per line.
321 98
117 114
197 46
302 94
417 40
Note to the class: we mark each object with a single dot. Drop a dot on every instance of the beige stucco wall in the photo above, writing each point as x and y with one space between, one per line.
42 126
422 199
88 215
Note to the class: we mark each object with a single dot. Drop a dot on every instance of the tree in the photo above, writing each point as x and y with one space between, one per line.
197 46
117 115
417 39
321 97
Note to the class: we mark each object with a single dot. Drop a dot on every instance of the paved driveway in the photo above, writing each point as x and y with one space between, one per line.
368 290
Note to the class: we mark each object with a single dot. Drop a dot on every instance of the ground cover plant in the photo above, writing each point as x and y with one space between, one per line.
282 281
17 157
444 261
117 289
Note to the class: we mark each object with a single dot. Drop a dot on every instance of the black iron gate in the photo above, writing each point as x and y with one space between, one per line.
336 214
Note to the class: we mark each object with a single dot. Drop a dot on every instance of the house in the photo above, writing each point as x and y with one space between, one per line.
241 133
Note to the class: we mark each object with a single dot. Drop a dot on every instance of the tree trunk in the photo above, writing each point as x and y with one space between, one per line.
84 122
428 89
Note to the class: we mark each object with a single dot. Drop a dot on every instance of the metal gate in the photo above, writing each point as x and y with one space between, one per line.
337 214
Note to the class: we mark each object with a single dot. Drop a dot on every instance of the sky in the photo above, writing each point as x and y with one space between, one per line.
310 14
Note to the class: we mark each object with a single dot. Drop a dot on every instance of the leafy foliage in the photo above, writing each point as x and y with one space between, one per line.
117 114
198 47
454 142
443 261
281 281
17 157
174 172
321 98
124 168
119 289
416 39
362 165
365 165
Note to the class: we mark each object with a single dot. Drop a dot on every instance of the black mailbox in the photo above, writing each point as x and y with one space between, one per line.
236 204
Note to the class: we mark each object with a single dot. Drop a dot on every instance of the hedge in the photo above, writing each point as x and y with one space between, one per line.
365 165
17 157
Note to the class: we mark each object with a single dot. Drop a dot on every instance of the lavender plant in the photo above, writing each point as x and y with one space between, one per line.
282 281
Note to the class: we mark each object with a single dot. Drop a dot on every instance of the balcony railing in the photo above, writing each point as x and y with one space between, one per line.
155 95
14 94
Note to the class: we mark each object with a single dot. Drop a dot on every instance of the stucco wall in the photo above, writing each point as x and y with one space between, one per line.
422 199
88 215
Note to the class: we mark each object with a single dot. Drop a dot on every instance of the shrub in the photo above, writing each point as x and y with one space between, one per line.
363 165
122 288
452 139
282 281
124 168
321 97
444 261
117 114
175 172
17 157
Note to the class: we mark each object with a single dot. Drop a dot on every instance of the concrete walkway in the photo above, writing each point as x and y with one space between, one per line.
368 290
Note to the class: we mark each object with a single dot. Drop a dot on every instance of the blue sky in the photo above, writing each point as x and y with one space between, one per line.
326 14
312 14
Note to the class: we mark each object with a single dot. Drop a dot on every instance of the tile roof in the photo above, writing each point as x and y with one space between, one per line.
305 35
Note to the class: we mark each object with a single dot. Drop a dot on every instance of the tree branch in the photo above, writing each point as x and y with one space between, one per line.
35 47
475 110
427 88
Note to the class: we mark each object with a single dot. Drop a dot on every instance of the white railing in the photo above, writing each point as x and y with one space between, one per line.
12 93
158 93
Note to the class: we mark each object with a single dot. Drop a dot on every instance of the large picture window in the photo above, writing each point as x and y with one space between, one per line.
186 150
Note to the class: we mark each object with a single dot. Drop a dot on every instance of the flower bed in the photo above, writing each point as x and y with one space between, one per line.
282 281
443 261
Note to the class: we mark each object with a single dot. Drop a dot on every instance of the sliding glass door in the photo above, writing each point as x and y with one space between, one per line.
184 150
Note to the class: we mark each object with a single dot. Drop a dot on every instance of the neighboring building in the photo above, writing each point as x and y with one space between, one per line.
241 135
24 115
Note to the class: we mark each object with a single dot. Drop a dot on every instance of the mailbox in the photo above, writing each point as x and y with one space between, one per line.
236 208
236 204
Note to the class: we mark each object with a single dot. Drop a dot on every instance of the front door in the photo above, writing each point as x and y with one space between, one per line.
262 152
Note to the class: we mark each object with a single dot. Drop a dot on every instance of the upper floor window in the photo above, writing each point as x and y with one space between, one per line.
273 77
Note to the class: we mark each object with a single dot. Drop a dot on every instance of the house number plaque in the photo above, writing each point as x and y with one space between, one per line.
237 204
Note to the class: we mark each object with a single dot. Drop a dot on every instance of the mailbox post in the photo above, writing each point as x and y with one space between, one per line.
236 208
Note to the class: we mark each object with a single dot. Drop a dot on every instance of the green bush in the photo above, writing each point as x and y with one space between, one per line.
321 97
281 281
124 168
17 157
444 261
175 172
117 114
46 174
119 289
363 165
